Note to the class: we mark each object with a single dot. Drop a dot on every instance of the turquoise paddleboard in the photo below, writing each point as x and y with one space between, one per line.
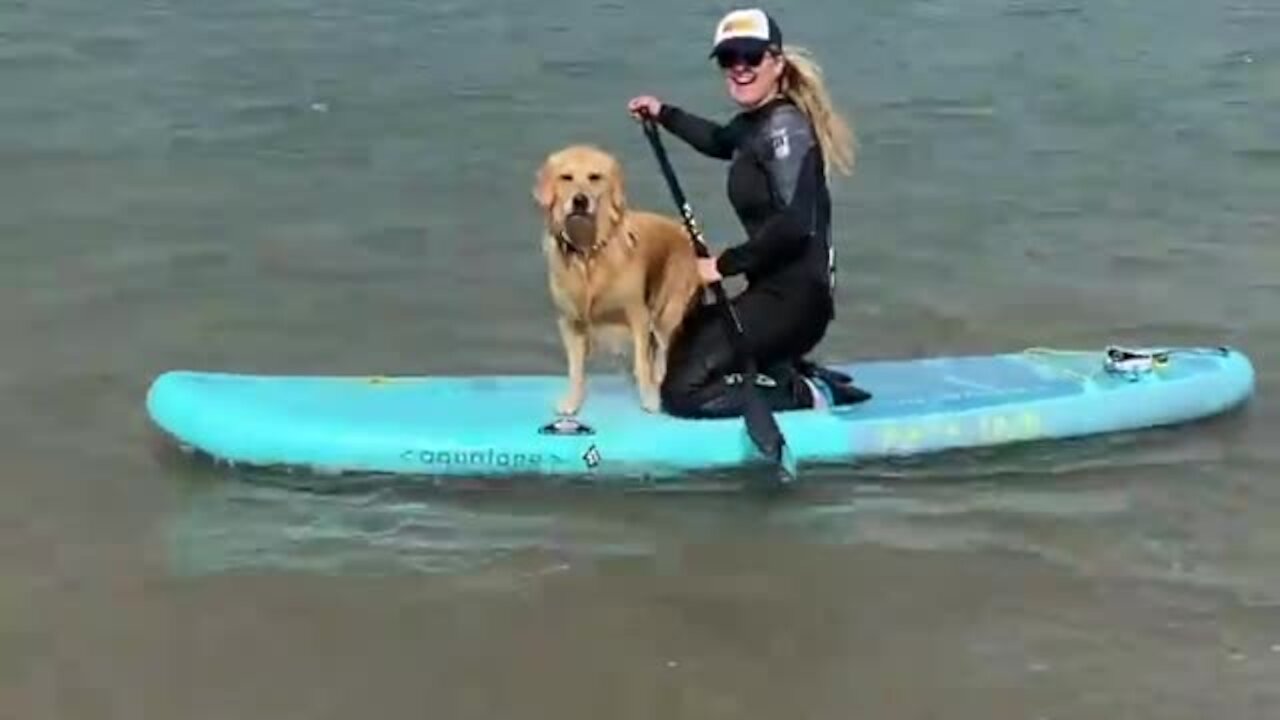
505 425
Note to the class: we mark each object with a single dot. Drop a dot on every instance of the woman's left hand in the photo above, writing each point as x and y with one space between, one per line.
707 270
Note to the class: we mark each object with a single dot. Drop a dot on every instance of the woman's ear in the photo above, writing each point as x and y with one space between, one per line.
784 69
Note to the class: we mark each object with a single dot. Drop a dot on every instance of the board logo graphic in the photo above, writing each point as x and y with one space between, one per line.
591 457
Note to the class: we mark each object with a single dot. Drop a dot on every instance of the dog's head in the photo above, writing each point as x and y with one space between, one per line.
581 191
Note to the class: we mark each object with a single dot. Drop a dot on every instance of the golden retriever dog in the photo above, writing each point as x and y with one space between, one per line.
614 272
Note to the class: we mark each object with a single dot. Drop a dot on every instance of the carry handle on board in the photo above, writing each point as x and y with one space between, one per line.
762 427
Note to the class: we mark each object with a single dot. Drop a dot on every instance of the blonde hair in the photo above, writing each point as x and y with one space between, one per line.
803 83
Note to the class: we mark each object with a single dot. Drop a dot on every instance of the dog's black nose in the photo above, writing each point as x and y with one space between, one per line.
580 203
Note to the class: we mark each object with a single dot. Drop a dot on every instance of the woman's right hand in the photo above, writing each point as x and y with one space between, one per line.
644 105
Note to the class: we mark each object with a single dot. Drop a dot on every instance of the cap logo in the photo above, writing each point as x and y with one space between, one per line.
740 25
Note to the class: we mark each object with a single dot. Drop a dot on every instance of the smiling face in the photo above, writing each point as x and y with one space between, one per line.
751 74
581 190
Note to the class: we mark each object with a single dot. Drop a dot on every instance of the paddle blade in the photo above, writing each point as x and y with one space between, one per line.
763 429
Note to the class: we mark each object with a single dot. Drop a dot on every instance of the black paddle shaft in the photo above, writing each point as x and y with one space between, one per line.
761 425
700 243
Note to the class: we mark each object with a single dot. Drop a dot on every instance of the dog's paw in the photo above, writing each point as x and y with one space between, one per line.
569 404
650 399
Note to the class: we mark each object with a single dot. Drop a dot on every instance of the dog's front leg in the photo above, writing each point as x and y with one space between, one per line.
574 335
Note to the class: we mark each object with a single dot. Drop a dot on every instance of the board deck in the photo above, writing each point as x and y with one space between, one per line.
498 425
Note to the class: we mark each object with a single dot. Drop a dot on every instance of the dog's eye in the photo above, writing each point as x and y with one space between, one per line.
567 177
594 177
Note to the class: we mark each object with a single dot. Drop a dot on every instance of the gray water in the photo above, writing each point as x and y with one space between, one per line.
314 186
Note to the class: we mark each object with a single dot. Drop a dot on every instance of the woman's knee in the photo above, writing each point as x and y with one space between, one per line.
704 355
689 373
700 350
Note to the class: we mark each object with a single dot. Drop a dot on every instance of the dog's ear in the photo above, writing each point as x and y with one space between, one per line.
617 194
543 188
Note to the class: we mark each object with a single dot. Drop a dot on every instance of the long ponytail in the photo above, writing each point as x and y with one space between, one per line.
803 83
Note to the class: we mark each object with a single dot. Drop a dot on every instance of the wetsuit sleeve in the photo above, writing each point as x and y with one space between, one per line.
790 157
707 137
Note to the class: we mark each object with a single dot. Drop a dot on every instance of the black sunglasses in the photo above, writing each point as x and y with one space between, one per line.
751 58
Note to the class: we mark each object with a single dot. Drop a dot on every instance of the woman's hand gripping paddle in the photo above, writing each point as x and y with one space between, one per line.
762 427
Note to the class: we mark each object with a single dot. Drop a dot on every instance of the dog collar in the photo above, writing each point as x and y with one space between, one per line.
568 248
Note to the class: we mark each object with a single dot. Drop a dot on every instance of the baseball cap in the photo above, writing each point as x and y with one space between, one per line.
744 30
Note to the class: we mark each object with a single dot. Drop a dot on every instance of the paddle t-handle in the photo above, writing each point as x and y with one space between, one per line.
762 427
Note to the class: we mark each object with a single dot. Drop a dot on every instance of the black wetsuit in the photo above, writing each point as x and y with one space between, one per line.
777 186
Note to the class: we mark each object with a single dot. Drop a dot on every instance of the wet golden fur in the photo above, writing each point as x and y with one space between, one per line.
635 276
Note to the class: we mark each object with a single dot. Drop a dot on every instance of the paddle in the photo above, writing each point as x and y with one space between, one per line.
762 427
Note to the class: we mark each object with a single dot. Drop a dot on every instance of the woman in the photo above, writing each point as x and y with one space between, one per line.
778 146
